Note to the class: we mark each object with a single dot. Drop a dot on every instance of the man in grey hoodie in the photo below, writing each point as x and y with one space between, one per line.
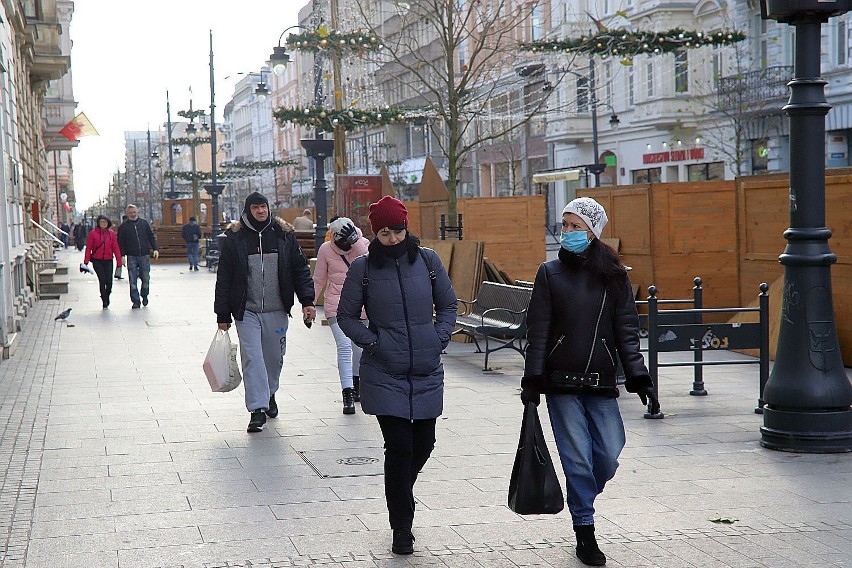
261 267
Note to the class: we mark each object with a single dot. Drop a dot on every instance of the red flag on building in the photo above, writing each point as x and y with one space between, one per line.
78 127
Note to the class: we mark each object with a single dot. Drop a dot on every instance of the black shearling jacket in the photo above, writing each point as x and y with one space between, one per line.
566 303
294 275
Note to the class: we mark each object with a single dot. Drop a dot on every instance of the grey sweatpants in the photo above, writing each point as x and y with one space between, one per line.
263 342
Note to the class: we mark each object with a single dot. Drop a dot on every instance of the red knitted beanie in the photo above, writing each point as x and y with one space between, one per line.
388 212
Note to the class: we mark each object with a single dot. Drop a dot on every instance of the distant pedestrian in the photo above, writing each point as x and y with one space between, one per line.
64 236
261 268
333 260
581 320
137 242
191 233
399 284
81 232
101 248
304 222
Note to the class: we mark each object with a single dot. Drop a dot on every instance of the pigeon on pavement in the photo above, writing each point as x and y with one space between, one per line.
64 315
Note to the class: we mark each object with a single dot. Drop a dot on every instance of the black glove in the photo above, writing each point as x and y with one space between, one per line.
529 395
649 399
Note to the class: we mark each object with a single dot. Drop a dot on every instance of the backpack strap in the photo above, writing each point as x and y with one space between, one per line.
432 274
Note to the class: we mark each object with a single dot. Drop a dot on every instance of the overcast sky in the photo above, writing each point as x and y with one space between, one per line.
127 54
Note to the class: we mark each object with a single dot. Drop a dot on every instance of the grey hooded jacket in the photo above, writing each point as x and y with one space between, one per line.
401 371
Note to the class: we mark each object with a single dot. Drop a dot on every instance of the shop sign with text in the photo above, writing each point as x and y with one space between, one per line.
673 156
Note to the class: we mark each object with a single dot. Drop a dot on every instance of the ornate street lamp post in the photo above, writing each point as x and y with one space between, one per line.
214 189
808 397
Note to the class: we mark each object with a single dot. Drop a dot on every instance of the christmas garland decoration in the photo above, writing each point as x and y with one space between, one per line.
626 44
324 39
258 165
192 114
187 141
327 120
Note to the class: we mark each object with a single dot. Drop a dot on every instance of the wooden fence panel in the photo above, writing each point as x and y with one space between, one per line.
512 229
763 203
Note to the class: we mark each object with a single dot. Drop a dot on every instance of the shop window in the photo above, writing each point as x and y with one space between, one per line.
759 156
711 171
647 175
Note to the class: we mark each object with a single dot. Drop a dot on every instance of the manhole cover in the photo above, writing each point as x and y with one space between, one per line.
357 461
341 463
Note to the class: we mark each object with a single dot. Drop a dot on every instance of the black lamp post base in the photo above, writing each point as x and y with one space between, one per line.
816 432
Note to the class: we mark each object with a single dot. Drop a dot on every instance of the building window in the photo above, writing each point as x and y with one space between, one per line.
716 67
712 171
418 140
582 94
840 39
759 156
681 72
761 45
535 22
647 175
649 80
608 83
631 92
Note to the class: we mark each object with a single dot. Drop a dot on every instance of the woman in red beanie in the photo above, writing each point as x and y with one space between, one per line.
402 379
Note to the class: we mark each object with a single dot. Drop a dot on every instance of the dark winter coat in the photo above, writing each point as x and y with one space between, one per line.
136 238
401 371
191 232
563 311
294 275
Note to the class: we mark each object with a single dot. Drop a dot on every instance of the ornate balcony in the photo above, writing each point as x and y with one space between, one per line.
755 90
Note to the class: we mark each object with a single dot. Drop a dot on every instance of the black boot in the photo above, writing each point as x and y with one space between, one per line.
587 548
348 401
272 411
356 385
403 541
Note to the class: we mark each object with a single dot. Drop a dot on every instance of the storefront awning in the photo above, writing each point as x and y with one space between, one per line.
557 175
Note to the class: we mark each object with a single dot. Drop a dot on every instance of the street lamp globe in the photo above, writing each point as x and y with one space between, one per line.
614 122
279 59
261 92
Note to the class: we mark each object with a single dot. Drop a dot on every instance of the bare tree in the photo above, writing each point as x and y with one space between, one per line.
450 60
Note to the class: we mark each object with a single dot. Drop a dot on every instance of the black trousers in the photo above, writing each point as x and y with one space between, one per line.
103 268
408 445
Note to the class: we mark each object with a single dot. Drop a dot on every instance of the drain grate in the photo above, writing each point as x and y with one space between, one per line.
341 463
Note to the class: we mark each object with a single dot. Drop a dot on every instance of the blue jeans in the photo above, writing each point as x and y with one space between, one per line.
192 254
589 435
138 267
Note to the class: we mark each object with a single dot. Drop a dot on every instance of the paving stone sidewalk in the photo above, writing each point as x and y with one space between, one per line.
115 454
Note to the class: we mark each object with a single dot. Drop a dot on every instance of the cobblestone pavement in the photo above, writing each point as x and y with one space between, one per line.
115 454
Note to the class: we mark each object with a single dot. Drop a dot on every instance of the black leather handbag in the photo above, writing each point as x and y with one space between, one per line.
534 488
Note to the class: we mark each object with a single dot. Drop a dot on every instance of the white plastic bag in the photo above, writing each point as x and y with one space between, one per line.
220 365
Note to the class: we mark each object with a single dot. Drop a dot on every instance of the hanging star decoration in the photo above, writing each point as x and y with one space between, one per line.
187 141
626 44
323 39
350 119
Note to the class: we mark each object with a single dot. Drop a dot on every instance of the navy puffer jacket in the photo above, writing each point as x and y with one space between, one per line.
401 372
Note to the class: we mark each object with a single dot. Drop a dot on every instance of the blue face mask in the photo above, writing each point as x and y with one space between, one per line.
575 241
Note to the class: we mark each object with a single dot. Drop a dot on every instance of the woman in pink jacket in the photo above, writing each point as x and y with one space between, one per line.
101 247
333 259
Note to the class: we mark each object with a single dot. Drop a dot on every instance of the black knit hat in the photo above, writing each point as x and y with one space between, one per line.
254 198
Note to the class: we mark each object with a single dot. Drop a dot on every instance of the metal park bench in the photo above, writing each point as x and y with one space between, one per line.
499 315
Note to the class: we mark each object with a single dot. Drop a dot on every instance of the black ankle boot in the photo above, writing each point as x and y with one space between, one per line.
356 386
403 541
348 401
587 547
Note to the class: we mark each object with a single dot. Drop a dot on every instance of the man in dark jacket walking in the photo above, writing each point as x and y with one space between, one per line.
137 243
261 266
191 234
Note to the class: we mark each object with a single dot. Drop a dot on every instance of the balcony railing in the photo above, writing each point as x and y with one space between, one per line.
747 91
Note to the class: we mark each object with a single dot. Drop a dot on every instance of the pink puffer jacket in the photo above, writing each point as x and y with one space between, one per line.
330 271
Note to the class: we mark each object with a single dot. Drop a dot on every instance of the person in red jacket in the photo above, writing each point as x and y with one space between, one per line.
101 248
